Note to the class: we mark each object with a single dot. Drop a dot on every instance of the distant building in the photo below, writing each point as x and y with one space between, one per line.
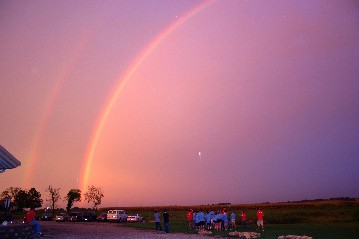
7 160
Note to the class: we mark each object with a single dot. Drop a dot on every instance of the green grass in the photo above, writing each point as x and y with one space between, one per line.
272 231
320 220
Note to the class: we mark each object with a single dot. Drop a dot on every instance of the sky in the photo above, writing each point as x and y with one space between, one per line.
182 102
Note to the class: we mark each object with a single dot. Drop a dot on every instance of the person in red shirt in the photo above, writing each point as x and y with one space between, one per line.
244 219
260 215
30 218
190 219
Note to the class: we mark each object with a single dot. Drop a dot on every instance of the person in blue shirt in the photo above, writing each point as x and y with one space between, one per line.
157 217
225 221
218 221
212 219
200 220
194 219
208 220
233 221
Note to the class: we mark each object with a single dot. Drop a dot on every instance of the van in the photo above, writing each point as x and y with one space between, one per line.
116 216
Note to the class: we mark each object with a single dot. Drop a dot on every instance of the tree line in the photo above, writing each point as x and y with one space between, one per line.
22 198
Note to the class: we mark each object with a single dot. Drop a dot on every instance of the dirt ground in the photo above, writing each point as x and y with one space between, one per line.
95 230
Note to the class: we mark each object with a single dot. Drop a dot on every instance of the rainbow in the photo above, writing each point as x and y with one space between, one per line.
60 81
123 79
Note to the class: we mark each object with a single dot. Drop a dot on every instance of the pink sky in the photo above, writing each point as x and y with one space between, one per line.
243 102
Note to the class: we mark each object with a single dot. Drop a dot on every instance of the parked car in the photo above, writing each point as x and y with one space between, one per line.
116 216
135 218
75 217
89 216
46 216
102 217
62 217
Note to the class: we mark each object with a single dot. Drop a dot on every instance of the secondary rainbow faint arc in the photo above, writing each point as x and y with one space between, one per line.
53 97
100 122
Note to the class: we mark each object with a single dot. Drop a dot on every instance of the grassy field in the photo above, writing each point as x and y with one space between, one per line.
272 231
331 219
320 220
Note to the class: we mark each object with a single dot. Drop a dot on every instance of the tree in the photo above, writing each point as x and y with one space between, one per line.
34 198
18 197
94 195
10 192
22 198
54 196
74 195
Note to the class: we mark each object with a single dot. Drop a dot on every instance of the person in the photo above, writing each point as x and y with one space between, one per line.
194 219
208 220
233 221
244 219
218 221
212 219
158 221
260 215
190 218
225 221
200 220
30 218
166 220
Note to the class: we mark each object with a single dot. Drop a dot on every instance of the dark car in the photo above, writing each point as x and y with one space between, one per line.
89 216
62 217
75 217
46 216
102 217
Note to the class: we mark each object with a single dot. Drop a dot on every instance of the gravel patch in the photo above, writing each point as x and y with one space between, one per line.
94 230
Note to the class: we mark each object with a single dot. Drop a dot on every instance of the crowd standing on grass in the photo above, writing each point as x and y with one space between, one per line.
219 221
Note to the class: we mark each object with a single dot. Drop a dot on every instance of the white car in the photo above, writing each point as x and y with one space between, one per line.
135 218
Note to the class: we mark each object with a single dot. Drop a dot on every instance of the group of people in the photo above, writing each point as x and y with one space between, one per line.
166 220
220 220
196 220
